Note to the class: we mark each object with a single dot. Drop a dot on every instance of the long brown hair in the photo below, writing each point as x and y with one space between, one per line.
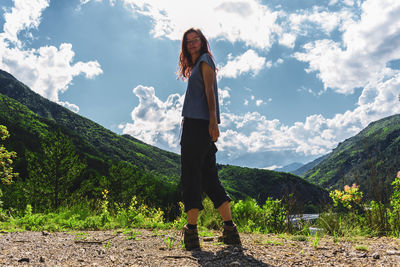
186 63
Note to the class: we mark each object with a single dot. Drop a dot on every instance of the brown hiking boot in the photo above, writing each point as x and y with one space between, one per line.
190 238
230 235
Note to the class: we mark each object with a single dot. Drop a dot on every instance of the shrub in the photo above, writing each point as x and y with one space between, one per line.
349 199
377 218
394 213
250 217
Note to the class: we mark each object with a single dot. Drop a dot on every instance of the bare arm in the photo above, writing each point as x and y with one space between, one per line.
208 78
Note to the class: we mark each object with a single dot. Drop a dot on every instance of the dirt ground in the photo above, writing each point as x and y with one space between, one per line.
140 247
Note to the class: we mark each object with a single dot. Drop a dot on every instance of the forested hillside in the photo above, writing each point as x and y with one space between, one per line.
369 159
101 141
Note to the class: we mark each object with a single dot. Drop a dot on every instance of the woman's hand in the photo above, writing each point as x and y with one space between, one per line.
213 129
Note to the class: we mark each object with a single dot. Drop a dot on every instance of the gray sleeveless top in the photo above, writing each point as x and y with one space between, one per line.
195 105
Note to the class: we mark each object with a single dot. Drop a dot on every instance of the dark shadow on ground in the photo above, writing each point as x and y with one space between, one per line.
227 256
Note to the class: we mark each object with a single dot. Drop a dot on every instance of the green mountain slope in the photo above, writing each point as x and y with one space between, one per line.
261 184
102 141
370 159
306 167
29 117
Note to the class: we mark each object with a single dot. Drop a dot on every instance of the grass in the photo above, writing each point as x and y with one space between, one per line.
132 235
315 241
169 241
272 242
206 233
81 236
361 248
301 238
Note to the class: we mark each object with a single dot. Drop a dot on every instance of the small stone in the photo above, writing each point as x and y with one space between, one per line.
236 249
23 260
393 252
162 248
42 259
362 255
45 233
234 263
112 258
376 256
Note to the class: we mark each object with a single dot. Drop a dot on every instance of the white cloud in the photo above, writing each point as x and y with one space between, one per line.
24 15
270 64
154 121
224 96
72 107
318 18
234 20
317 135
288 39
368 44
157 123
249 61
272 167
47 70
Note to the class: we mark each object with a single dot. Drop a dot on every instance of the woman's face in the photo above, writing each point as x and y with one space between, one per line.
193 43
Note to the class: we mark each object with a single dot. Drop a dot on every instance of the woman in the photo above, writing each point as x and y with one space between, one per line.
199 132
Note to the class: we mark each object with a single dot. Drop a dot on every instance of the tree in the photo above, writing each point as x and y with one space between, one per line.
51 173
7 173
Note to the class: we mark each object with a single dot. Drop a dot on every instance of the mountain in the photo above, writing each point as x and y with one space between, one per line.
242 182
262 159
290 168
306 167
102 142
369 159
29 117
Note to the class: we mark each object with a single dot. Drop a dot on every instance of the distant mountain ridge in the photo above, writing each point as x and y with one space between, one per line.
290 168
306 167
370 159
28 115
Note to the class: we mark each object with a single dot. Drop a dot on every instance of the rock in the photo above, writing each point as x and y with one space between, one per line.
45 233
376 256
362 255
234 263
112 258
23 260
236 249
42 259
208 239
393 252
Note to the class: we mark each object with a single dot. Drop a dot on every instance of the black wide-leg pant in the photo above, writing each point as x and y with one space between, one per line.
198 166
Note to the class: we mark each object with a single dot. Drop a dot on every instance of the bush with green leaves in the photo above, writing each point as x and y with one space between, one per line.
250 217
7 173
377 219
394 213
349 199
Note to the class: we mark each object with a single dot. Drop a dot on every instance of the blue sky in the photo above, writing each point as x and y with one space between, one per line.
295 77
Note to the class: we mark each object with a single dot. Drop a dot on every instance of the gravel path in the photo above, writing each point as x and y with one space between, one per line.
140 247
